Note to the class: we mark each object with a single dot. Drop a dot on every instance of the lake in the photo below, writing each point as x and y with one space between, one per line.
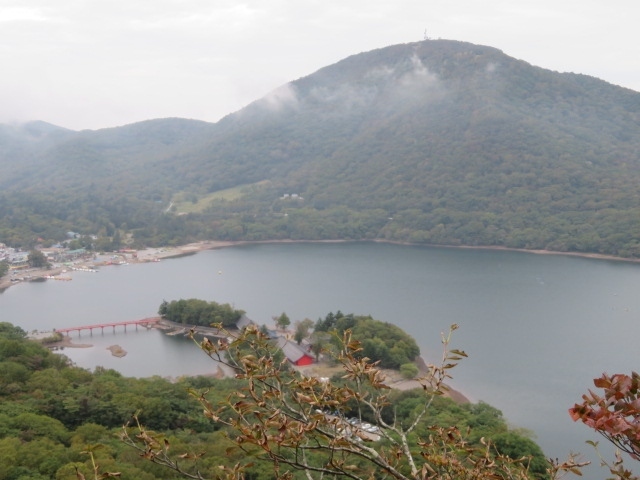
537 328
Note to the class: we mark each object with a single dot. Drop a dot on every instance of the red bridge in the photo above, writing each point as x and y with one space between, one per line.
146 322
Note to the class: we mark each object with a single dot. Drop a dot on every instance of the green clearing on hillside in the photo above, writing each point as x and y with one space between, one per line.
189 202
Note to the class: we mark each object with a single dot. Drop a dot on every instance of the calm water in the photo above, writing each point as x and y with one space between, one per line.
537 329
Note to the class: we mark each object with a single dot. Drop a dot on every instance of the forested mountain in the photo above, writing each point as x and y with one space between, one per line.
438 142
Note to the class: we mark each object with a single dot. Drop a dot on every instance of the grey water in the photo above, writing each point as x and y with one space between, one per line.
537 328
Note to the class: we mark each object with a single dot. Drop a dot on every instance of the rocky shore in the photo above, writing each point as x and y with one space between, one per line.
67 342
117 351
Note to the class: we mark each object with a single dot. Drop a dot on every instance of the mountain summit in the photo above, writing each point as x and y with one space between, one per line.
438 142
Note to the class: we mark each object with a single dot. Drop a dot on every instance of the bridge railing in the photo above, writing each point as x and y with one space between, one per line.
144 321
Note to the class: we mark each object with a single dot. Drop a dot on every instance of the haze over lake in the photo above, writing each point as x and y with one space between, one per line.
537 328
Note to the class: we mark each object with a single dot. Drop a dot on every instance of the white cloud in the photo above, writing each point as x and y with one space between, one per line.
419 76
21 14
282 97
91 64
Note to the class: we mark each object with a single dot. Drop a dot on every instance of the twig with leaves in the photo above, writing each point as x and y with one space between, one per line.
299 424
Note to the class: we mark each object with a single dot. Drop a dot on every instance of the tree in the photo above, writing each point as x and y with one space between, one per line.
320 342
37 259
104 244
116 241
85 241
615 415
381 341
194 311
409 370
518 446
302 328
4 268
11 332
300 424
283 321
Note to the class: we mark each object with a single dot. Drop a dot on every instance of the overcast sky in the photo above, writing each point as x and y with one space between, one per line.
86 64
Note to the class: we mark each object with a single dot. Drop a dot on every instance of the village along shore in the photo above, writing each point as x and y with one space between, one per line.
91 262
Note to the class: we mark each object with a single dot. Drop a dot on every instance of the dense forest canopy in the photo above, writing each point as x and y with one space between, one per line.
437 142
198 312
381 341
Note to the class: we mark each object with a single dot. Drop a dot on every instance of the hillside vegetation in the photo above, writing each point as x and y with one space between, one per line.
381 341
438 142
52 414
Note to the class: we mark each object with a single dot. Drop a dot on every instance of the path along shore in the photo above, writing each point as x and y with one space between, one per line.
157 254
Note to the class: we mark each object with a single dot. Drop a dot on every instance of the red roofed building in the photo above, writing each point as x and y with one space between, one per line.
294 353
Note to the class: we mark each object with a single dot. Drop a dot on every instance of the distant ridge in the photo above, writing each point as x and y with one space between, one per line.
438 142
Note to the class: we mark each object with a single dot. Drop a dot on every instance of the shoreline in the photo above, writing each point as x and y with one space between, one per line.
195 247
161 253
395 380
133 257
67 342
165 253
214 245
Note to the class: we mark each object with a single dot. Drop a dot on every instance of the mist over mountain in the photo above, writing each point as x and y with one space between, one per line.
438 142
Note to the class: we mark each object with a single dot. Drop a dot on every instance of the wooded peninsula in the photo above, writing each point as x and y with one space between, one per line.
57 418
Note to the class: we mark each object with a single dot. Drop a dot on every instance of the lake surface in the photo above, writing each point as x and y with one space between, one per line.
537 328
